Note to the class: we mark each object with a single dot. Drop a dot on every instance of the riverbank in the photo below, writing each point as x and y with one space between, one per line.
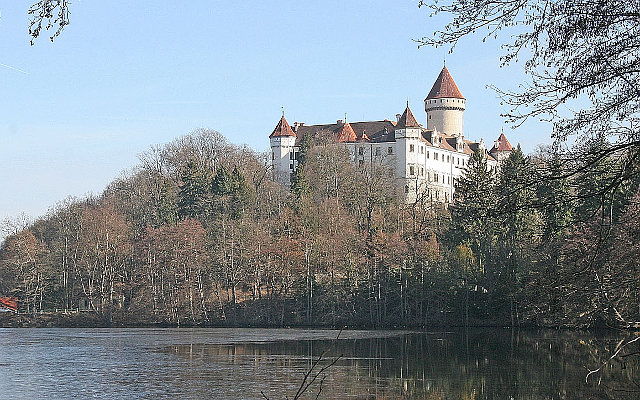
89 319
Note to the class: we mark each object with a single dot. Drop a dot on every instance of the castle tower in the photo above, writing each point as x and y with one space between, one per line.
445 105
283 141
501 148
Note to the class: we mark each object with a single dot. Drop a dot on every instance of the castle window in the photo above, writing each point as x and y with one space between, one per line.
447 158
411 170
435 155
435 178
458 160
390 150
377 151
290 166
421 171
273 155
427 153
291 156
411 148
448 180
361 151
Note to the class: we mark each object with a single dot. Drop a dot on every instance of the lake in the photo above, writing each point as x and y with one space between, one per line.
242 363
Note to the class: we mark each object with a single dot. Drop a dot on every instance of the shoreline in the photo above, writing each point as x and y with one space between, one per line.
89 319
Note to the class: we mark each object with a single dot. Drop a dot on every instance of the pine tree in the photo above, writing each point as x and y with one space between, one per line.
194 195
299 183
473 206
230 192
515 230
167 208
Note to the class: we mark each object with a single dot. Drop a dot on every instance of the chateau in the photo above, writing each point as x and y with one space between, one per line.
427 160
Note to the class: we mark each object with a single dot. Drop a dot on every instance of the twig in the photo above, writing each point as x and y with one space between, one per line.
304 386
607 361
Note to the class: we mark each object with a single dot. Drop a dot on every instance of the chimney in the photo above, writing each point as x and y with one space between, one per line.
340 122
398 117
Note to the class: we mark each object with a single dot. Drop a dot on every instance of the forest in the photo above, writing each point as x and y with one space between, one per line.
198 234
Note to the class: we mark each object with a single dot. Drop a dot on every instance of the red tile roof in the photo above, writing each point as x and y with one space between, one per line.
282 129
444 87
407 120
376 131
346 133
502 144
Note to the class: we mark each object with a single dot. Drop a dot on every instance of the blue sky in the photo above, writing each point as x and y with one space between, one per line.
125 75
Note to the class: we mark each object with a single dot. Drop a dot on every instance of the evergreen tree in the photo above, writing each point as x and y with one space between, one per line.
194 195
472 212
299 182
230 192
167 208
239 194
515 230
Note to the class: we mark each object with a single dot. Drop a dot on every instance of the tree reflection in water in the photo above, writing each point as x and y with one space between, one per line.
473 364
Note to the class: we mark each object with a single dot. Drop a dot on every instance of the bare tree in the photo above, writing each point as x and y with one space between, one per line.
48 14
583 62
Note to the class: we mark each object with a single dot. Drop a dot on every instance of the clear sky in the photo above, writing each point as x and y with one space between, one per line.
125 75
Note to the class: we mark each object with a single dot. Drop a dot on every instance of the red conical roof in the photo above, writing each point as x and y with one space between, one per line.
282 129
407 120
502 144
444 87
346 133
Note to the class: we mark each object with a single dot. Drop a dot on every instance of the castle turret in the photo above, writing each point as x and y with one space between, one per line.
283 141
501 148
445 105
408 126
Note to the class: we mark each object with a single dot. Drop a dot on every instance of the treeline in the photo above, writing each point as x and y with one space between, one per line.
199 234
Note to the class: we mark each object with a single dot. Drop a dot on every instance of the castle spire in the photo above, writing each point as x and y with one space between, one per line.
407 120
444 87
283 128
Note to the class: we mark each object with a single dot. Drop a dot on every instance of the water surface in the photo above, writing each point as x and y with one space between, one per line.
242 363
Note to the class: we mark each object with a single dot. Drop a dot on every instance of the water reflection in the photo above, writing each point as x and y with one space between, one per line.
480 364
240 363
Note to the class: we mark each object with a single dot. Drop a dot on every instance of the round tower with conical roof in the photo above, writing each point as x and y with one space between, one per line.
445 105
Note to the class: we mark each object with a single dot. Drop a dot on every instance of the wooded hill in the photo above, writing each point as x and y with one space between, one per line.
198 234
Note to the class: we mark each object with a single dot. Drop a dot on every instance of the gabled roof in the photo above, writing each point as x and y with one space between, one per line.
346 133
407 120
444 86
282 129
502 144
